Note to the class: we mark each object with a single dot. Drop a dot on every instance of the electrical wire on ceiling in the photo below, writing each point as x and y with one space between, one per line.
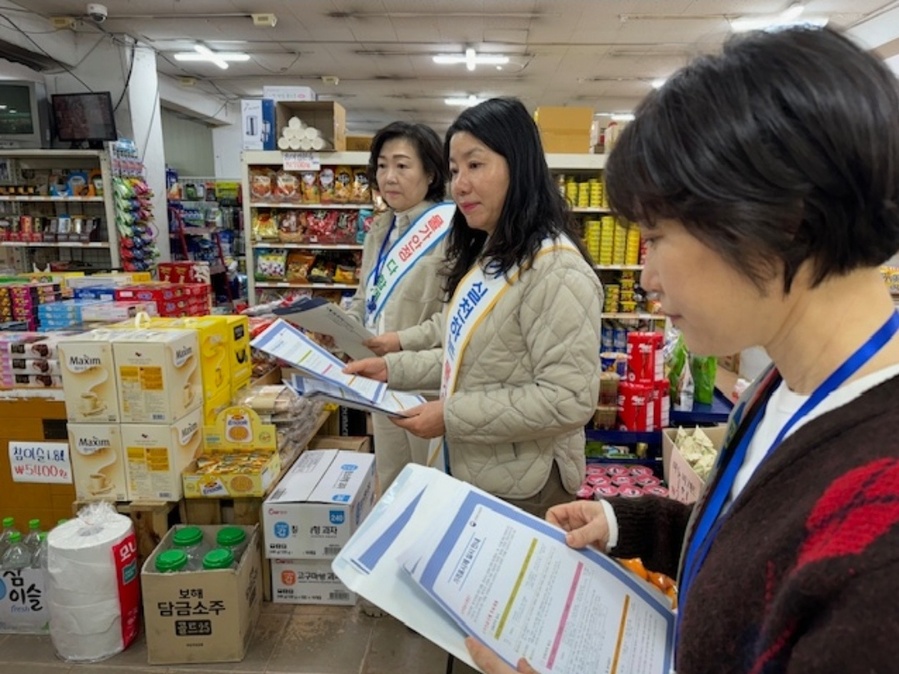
45 52
127 78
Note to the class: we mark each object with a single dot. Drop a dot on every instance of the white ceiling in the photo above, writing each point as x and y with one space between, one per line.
601 54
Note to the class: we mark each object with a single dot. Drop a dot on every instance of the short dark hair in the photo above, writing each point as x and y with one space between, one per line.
426 143
781 150
534 208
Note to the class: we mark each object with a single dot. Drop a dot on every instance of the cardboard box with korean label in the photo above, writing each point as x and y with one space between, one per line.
157 374
88 378
257 117
308 581
352 443
241 362
157 453
202 616
684 484
98 462
318 504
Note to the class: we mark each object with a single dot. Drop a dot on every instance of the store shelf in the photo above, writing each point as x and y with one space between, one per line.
198 231
703 414
55 244
310 246
584 209
38 198
618 267
312 207
624 437
633 317
315 286
559 162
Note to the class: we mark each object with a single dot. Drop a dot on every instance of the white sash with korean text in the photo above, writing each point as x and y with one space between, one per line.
421 237
474 298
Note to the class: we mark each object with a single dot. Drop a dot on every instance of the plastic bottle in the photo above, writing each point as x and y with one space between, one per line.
17 555
233 539
9 526
190 540
219 558
171 561
39 558
33 538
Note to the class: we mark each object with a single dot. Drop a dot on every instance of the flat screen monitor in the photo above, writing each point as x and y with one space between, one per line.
84 118
22 114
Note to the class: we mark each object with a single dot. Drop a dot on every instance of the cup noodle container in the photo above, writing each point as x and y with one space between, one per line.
93 585
634 406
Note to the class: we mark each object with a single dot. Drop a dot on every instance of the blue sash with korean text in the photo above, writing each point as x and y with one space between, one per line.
426 232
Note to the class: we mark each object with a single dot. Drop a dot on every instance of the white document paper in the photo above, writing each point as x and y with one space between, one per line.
318 315
437 549
285 342
394 403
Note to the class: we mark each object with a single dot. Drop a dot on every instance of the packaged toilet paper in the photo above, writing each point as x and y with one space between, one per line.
93 585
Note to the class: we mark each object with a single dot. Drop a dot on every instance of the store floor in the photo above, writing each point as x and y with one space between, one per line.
298 639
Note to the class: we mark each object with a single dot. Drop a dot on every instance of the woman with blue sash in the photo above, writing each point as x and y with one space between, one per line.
402 259
766 184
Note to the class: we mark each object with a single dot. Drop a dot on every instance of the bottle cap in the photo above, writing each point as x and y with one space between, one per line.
8 522
15 537
220 558
34 524
171 560
230 536
187 536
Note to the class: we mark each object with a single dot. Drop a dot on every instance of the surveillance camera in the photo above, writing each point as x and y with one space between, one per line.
97 12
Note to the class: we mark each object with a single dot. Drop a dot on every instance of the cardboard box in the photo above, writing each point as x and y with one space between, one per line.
326 116
360 443
228 483
288 93
158 375
359 143
318 504
239 343
308 581
89 379
564 129
684 484
257 117
99 468
158 453
201 616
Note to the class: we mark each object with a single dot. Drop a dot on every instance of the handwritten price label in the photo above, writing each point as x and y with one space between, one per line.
40 462
301 161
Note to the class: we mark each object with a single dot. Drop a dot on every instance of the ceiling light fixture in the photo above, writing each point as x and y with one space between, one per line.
465 101
623 117
659 83
203 53
264 20
471 59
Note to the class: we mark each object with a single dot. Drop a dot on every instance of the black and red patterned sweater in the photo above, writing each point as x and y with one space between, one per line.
803 576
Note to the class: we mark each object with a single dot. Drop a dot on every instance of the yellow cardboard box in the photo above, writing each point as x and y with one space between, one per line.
564 129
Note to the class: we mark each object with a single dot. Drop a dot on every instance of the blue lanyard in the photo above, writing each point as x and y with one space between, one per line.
712 514
382 258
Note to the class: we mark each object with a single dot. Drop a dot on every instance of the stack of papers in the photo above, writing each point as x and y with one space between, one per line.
450 560
322 373
316 314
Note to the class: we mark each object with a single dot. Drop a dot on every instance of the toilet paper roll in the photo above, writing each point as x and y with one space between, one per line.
283 143
295 123
92 599
290 134
306 144
318 143
294 144
311 132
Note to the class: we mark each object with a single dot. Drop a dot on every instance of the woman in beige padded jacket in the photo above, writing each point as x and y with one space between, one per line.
400 276
518 364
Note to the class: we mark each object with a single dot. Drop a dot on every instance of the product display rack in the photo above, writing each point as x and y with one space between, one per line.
275 160
35 167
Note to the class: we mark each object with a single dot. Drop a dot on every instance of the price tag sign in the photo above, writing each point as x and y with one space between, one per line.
40 462
302 161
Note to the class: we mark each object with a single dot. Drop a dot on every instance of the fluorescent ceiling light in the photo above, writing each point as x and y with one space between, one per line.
787 18
463 100
659 83
792 12
622 117
471 59
204 53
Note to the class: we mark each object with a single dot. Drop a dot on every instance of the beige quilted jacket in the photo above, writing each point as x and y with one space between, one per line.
420 292
528 381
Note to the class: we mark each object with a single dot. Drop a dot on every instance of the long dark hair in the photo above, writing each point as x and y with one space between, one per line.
533 210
